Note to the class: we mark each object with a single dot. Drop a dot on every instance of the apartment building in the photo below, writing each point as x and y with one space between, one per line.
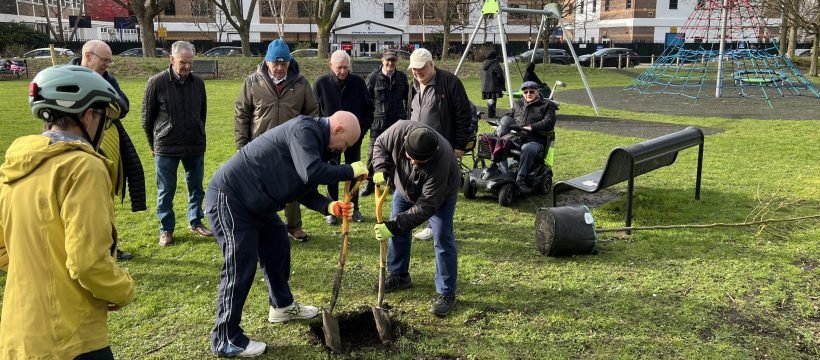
366 26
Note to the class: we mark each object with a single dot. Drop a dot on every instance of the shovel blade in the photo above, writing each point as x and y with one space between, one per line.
383 325
330 327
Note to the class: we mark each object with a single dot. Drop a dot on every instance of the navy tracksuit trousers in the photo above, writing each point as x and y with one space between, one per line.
245 240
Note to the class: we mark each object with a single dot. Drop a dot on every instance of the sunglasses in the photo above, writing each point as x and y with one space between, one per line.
530 91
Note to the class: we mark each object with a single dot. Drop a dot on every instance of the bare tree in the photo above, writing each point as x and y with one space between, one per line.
240 19
447 15
278 9
145 11
326 12
805 15
210 21
59 11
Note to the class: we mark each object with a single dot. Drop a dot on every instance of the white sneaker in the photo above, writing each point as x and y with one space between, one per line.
253 349
292 312
425 234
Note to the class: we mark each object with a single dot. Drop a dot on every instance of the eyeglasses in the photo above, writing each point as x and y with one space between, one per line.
108 120
105 60
530 91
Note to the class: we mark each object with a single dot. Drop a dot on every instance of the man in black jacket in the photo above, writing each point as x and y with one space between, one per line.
424 170
438 100
341 90
116 145
388 87
174 110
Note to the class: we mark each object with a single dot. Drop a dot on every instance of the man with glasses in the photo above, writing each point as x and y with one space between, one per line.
535 116
420 164
271 96
174 110
389 88
57 235
117 145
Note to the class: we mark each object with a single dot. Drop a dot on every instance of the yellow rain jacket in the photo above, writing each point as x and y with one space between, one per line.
56 221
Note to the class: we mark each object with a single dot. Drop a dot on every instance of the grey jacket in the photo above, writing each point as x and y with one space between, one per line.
259 108
427 185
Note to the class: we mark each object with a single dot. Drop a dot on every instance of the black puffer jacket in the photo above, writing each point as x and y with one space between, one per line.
132 171
539 114
389 98
173 114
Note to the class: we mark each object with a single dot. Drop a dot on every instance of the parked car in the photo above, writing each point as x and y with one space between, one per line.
160 52
557 56
224 51
43 53
306 53
611 56
802 52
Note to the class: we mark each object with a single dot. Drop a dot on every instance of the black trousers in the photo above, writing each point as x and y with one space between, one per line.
101 354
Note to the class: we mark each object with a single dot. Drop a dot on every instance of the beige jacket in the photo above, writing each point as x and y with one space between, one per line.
259 108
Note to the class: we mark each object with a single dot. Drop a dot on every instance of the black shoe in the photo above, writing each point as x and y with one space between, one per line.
357 216
522 185
395 282
123 256
330 220
367 189
443 305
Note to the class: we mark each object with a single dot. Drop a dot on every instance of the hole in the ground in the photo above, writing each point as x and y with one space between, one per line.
357 331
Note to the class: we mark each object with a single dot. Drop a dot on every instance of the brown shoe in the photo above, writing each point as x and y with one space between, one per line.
201 230
298 235
166 238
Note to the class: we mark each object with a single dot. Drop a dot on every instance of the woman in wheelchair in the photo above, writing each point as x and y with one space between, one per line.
533 117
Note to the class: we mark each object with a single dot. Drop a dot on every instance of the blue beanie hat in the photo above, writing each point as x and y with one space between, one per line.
278 51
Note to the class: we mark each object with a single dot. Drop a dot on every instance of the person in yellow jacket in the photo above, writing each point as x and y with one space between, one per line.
56 224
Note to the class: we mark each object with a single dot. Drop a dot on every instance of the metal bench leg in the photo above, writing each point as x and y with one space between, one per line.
700 169
630 188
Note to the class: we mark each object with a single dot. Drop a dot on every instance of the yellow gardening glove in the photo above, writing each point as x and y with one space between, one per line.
379 179
382 232
359 169
340 208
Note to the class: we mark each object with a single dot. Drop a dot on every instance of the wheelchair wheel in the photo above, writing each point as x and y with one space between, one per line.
505 195
545 185
469 188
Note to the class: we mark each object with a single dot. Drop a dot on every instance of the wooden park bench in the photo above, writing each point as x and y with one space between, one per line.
206 67
626 163
365 67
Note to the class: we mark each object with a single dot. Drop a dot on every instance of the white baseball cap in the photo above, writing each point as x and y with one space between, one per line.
419 58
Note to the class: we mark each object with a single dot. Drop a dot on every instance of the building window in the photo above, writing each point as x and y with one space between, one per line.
171 9
518 16
581 6
345 10
673 4
594 5
628 4
388 10
303 9
606 5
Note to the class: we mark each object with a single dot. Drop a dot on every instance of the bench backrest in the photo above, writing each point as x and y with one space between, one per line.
205 67
365 67
648 155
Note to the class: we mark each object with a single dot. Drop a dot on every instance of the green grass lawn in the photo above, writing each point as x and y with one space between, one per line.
709 294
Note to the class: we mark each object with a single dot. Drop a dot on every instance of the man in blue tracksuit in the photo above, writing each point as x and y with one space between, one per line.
283 165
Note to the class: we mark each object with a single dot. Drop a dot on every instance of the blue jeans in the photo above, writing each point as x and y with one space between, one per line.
444 242
166 167
246 239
